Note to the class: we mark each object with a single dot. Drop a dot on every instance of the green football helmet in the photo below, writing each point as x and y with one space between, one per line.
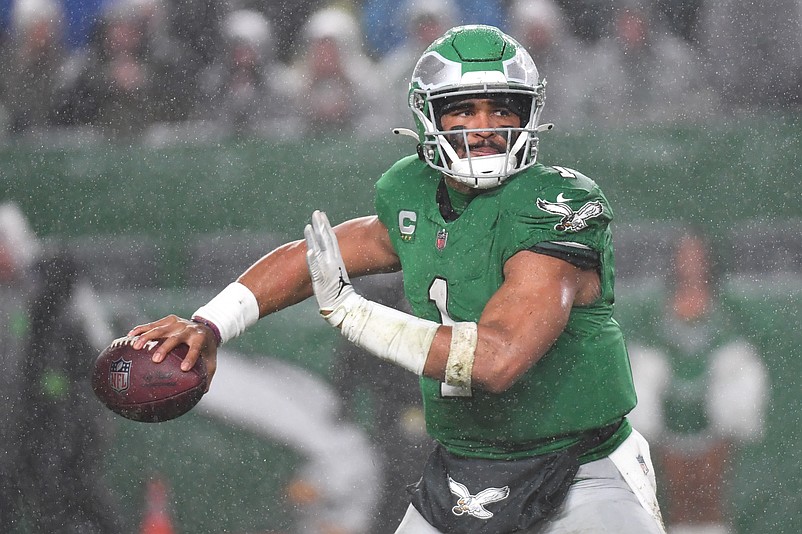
476 61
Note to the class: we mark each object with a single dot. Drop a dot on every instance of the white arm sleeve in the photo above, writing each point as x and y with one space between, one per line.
390 334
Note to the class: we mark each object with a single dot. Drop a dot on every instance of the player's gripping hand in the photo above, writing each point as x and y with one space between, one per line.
333 290
172 331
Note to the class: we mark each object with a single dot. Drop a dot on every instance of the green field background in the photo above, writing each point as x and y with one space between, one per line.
723 177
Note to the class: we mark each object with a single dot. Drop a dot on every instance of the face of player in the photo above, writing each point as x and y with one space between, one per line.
479 113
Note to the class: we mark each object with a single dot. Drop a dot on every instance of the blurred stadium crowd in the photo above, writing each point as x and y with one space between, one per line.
162 71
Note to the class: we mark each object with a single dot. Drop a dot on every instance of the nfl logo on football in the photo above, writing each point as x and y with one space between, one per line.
119 374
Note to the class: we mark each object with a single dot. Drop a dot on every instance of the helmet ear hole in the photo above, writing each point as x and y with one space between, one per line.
419 150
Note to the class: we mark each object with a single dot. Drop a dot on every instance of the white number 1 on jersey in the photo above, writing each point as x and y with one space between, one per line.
438 293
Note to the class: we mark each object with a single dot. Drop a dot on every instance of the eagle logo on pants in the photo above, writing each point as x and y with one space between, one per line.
474 505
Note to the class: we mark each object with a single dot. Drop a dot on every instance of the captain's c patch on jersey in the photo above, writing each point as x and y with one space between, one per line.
570 220
407 222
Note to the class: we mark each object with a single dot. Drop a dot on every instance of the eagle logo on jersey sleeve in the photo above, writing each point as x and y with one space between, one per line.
474 505
571 221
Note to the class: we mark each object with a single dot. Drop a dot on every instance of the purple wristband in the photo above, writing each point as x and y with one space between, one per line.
212 327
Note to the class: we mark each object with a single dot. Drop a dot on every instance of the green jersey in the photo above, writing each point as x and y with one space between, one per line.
451 269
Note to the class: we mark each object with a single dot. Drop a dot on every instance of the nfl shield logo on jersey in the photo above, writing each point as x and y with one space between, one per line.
442 237
119 375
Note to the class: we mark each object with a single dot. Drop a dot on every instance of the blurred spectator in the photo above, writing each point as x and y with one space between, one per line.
702 392
196 25
242 87
385 22
393 415
642 73
34 66
117 87
755 52
170 61
60 422
588 18
682 17
50 331
540 26
333 84
288 18
19 249
426 21
79 17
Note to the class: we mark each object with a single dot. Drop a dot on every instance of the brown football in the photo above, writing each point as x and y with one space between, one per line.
128 382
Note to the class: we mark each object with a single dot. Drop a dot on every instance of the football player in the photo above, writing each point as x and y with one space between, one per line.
508 268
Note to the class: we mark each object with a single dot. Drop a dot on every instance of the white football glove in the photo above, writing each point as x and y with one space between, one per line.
333 290
385 332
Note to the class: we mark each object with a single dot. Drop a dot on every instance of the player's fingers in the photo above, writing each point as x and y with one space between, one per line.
331 240
311 263
321 227
199 340
311 253
163 349
330 249
192 356
309 236
138 329
142 328
322 221
317 218
154 334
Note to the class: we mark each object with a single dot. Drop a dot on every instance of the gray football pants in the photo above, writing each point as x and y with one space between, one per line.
599 501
